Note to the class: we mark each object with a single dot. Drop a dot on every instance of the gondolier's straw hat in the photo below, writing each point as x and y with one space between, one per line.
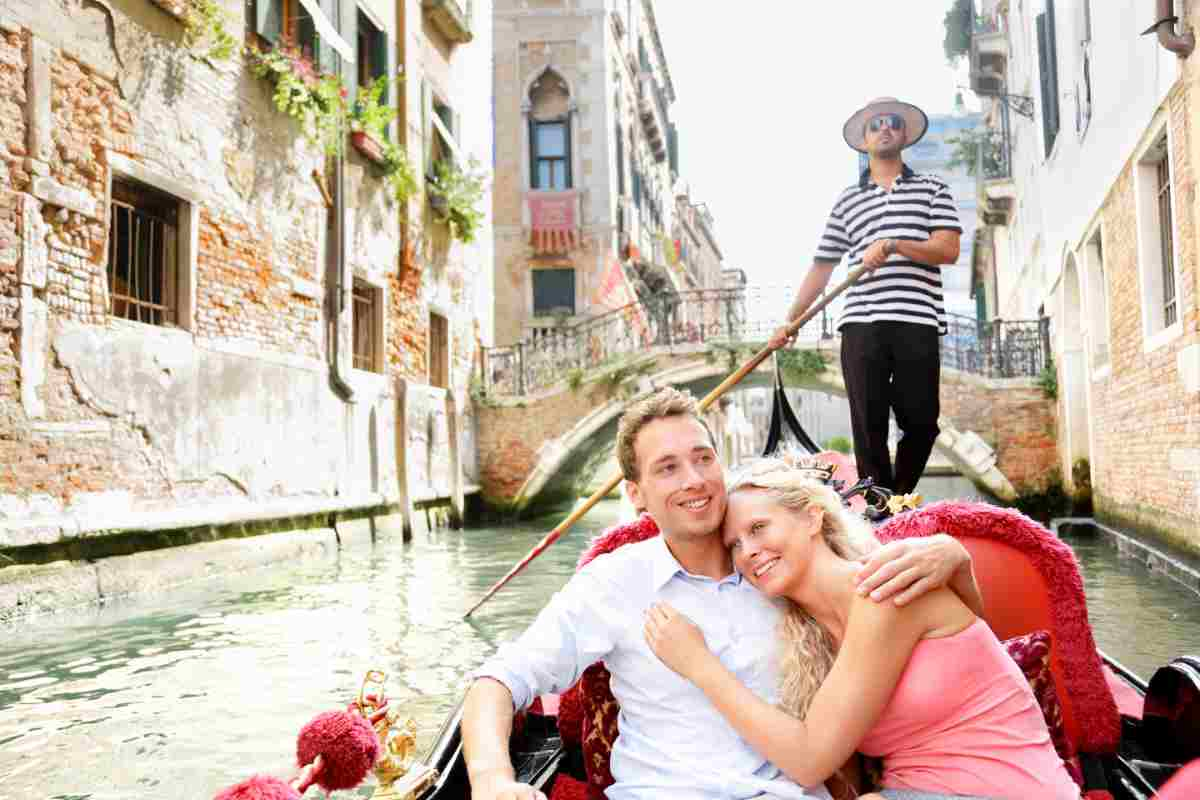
915 122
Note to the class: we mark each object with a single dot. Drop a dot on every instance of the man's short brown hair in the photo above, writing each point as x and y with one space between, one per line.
666 402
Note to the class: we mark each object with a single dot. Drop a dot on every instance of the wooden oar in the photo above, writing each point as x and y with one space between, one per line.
712 397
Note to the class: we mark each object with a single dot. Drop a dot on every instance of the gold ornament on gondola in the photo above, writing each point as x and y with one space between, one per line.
400 775
903 502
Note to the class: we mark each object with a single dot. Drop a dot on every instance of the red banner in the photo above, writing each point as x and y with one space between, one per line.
553 224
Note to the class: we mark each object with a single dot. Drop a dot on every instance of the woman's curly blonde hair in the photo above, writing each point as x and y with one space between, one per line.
807 649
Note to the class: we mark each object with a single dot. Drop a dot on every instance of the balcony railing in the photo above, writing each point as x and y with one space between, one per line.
989 53
451 17
718 318
998 349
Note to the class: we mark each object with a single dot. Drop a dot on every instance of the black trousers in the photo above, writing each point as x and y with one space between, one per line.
892 367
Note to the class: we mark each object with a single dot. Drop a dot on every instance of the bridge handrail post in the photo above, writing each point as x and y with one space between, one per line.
520 365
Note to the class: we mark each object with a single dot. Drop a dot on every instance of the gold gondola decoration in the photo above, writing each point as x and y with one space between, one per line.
400 775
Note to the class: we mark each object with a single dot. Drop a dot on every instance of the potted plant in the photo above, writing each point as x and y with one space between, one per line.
315 100
369 119
455 194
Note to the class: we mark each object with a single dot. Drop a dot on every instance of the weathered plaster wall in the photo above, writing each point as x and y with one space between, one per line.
232 403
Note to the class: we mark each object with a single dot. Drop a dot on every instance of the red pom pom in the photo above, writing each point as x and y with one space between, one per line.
346 742
260 787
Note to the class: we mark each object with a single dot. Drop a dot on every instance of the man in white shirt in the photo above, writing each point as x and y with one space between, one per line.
672 740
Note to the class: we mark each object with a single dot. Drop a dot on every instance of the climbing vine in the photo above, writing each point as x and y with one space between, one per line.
205 21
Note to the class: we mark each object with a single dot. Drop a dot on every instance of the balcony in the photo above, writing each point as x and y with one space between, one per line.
989 55
993 173
653 110
451 18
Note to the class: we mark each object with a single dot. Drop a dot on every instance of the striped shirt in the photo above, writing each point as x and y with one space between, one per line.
901 290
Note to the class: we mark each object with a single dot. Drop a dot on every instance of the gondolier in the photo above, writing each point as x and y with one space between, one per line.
903 226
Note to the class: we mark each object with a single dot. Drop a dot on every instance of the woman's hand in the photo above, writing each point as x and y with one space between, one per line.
676 640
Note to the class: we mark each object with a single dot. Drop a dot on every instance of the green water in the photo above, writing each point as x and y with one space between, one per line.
180 694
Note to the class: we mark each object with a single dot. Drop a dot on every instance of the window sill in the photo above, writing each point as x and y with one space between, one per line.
172 332
367 381
1101 372
1162 338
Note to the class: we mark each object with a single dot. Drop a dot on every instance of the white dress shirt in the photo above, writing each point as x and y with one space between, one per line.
673 742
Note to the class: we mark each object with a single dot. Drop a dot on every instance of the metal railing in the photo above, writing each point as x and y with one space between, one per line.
997 349
721 318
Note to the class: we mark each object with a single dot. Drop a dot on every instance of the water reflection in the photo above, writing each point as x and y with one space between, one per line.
1139 617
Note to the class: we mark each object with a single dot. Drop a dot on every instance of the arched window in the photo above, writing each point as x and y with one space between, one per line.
550 133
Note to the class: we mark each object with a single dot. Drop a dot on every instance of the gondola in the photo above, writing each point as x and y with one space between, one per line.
1123 737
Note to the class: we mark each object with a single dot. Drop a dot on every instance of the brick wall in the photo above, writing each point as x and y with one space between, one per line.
1145 454
1013 416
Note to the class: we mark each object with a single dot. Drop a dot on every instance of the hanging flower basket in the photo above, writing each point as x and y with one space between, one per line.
370 147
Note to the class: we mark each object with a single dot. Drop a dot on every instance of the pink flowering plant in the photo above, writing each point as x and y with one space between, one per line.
317 101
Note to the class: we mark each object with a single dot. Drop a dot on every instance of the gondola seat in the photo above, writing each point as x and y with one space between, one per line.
1030 581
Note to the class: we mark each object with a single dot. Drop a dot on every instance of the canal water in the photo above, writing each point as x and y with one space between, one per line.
181 694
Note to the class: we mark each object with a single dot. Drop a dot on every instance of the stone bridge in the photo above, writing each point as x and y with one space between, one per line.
542 446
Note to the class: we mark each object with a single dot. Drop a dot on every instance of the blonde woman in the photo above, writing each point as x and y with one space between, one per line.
925 686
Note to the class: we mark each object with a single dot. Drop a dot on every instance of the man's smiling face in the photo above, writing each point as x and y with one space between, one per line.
680 480
884 135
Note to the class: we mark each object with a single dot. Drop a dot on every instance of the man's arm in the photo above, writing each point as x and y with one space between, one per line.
486 725
815 281
940 249
906 569
574 630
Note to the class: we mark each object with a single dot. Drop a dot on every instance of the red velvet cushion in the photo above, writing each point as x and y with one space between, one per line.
570 716
567 788
600 711
1032 654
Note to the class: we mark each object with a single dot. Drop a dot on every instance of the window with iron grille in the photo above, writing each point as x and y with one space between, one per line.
1156 237
1165 237
143 254
367 344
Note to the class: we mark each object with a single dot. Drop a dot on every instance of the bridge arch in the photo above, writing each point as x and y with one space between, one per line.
563 457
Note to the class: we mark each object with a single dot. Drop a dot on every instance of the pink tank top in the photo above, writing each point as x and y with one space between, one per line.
963 720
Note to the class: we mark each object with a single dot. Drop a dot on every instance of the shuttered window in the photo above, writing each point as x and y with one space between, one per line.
551 157
1048 73
553 292
372 55
291 21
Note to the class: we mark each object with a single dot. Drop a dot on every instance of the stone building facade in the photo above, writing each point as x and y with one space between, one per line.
587 172
1092 219
201 313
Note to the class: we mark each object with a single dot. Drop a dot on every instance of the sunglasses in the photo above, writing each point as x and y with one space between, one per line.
893 121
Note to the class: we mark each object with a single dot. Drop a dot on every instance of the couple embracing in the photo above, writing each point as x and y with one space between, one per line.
763 640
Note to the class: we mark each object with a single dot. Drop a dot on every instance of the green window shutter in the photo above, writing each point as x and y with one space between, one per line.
268 19
392 95
427 127
567 141
381 64
456 129
673 147
533 154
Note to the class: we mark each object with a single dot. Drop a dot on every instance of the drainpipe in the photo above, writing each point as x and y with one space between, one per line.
1179 44
337 297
